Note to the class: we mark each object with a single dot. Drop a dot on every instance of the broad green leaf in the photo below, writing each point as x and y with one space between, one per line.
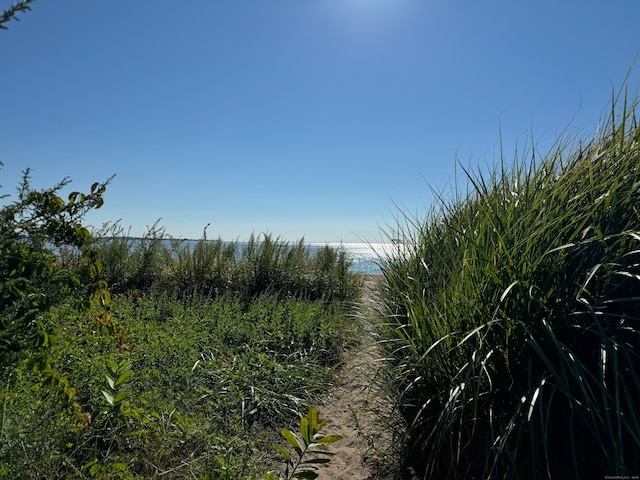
108 396
304 429
291 438
111 382
313 418
124 364
328 439
124 377
284 453
120 397
112 367
105 297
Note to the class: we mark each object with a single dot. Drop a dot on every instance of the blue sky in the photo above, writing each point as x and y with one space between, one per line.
317 118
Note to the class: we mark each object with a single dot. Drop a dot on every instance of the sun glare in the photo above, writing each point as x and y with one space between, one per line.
364 17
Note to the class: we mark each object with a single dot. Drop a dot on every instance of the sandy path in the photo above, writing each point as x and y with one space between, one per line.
360 454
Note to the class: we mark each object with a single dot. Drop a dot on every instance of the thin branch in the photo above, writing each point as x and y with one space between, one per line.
11 12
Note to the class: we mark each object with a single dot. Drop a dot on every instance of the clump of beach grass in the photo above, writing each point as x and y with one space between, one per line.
213 268
510 316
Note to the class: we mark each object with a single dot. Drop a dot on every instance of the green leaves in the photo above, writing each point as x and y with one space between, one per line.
313 443
34 229
290 437
118 379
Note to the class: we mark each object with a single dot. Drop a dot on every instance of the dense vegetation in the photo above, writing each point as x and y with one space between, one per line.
185 367
511 317
213 268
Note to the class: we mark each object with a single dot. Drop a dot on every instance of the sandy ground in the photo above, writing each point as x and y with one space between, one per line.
362 454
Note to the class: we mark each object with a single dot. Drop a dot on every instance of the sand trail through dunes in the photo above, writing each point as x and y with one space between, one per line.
365 451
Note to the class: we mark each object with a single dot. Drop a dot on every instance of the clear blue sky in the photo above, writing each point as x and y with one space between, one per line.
312 118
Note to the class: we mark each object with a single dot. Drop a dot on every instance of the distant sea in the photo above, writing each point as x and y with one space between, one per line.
365 257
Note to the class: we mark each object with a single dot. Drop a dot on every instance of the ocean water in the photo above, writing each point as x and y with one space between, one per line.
365 257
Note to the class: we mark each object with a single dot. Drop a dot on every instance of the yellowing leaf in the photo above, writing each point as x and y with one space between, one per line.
291 438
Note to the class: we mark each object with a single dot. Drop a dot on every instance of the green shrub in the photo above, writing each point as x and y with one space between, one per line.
511 318
32 278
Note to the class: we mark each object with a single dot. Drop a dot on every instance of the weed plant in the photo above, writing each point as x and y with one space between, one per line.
511 317
221 347
310 453
200 389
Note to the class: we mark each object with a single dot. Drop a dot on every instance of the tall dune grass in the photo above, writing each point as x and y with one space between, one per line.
213 268
511 317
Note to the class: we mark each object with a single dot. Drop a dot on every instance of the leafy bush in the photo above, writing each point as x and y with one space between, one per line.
32 278
37 230
511 317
